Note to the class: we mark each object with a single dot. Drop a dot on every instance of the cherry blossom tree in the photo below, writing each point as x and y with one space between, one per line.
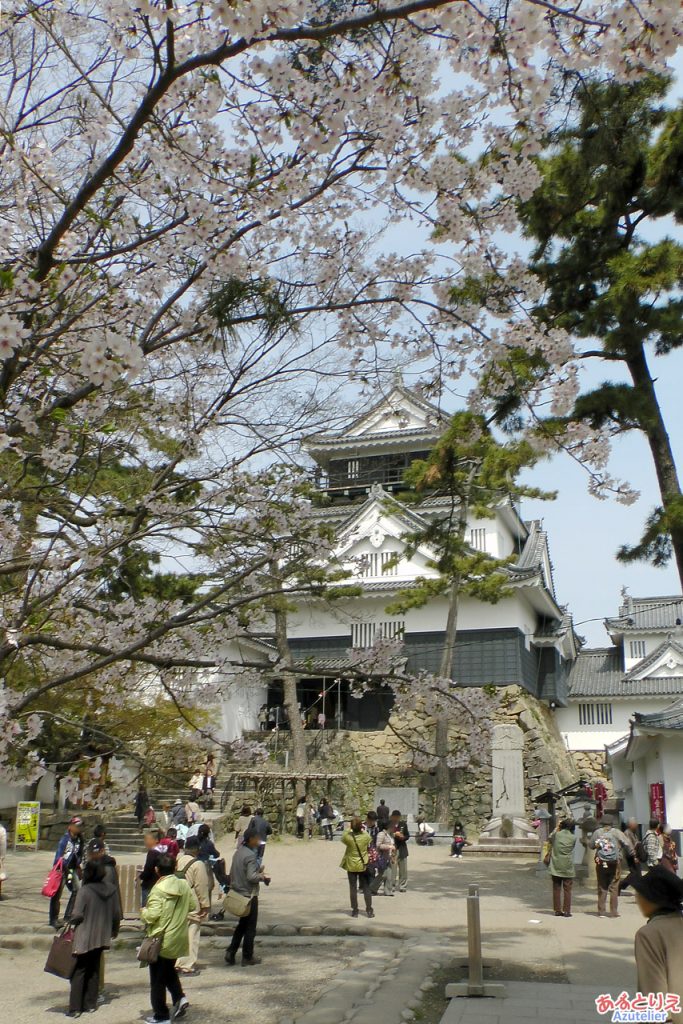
192 193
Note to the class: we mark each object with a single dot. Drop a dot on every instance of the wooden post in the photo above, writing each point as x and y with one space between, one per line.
475 984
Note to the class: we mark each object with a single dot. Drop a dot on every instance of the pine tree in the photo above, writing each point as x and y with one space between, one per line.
477 473
610 183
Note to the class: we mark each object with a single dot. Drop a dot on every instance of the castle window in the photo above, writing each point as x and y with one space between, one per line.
637 648
353 469
364 634
478 539
377 564
595 714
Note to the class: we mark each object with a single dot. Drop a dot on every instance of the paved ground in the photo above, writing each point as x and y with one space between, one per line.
321 966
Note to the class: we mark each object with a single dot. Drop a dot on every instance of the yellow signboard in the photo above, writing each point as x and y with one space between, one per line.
28 824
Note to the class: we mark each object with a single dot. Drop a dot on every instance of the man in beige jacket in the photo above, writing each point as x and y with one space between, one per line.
659 943
196 874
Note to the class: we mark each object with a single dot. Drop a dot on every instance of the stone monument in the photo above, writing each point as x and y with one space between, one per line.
508 824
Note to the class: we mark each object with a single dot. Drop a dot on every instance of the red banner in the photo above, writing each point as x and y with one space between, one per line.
657 802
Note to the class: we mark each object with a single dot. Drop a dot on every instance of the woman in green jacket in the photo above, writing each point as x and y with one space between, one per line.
355 863
168 907
562 870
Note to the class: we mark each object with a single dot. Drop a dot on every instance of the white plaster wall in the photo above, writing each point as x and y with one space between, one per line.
595 737
11 795
671 760
334 619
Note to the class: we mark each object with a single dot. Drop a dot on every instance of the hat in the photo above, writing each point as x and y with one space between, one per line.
76 820
177 800
660 887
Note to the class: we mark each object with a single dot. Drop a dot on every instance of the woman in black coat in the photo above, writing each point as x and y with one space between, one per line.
96 918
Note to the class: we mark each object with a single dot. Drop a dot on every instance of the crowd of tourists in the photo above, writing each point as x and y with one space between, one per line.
183 869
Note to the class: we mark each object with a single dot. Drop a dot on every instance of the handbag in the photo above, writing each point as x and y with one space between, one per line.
60 959
54 880
237 904
150 948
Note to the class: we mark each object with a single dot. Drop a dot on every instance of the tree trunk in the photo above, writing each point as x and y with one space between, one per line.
299 761
441 743
660 446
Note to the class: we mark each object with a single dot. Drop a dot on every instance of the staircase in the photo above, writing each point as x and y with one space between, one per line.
123 835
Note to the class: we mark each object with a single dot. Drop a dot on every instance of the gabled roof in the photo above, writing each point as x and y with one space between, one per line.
399 393
599 673
400 397
640 614
652 659
670 718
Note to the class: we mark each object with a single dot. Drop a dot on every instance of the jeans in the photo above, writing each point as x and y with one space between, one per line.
85 982
162 976
399 870
359 880
608 882
457 847
245 930
562 894
144 893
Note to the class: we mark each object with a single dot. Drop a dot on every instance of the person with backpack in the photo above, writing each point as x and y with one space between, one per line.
608 842
166 914
196 874
653 844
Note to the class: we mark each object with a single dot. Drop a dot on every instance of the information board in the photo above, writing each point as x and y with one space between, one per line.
27 831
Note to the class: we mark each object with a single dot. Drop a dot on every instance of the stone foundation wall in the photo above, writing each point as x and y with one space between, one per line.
369 759
592 766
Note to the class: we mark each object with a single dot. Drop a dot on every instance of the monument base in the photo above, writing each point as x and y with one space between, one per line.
509 829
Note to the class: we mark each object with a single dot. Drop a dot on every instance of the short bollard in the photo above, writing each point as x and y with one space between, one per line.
475 963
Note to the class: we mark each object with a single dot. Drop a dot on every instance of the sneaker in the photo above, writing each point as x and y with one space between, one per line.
180 1008
354 913
152 1020
189 972
253 961
371 913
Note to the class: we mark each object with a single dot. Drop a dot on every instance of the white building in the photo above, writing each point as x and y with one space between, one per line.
647 766
527 638
640 673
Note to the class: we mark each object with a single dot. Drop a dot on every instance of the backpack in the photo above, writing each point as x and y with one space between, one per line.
606 849
641 852
183 871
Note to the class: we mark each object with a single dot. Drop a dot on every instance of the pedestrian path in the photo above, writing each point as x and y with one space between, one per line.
528 1001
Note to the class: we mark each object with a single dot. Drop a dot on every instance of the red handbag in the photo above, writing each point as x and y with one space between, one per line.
53 882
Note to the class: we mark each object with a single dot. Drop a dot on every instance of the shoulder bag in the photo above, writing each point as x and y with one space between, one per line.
54 880
237 904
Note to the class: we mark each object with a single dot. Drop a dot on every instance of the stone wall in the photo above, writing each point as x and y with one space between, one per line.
369 759
592 765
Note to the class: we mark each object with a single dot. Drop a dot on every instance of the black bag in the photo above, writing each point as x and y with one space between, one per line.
61 960
368 868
